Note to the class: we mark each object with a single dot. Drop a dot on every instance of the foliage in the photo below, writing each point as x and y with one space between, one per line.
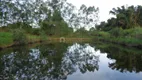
33 12
126 18
84 17
130 37
116 32
81 33
103 34
43 36
58 28
19 37
135 33
35 31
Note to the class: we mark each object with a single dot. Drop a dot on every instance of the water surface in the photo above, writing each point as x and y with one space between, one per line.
62 61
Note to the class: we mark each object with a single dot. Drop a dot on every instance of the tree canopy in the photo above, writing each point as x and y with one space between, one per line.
126 17
33 12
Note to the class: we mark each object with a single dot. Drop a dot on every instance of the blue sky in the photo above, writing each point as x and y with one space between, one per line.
105 5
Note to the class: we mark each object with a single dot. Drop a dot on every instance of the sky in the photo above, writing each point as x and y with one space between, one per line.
105 5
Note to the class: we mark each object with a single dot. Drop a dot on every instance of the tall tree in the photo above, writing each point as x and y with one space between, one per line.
84 17
127 17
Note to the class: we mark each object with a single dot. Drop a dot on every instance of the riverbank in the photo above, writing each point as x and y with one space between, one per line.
53 40
6 39
122 42
129 37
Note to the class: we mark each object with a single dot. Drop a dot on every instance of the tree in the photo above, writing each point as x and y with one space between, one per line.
127 17
85 17
22 11
33 12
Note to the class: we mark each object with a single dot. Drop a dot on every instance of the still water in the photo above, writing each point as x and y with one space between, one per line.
62 61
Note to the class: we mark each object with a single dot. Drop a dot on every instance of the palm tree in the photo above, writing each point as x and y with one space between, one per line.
127 17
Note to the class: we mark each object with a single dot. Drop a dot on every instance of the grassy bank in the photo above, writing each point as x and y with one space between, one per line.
128 37
6 39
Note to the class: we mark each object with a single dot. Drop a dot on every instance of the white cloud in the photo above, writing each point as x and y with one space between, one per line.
105 5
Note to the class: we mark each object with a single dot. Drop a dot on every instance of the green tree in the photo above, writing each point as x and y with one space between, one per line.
127 17
85 17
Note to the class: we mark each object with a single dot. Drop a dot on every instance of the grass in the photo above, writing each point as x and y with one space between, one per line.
128 36
5 38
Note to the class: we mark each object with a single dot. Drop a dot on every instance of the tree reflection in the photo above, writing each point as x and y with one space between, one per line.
81 57
126 59
126 62
47 62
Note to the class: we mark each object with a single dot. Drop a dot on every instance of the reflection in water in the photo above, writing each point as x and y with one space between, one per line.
129 62
127 59
51 65
61 61
81 57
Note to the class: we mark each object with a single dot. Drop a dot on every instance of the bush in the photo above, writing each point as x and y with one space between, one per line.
116 32
135 33
104 34
19 37
43 36
101 34
36 31
128 32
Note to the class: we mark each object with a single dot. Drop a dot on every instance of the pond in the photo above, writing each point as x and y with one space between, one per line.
71 61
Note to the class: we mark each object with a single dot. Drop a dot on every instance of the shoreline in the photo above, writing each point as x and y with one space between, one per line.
49 40
139 46
12 45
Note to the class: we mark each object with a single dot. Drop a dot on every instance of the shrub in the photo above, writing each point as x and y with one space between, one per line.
135 33
43 36
19 37
36 31
116 32
103 34
127 32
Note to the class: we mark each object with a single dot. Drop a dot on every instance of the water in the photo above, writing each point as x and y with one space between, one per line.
61 61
